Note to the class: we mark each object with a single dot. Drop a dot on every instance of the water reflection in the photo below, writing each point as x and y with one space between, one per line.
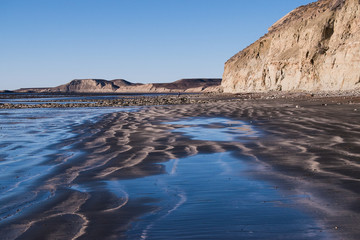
29 151
215 129
199 197
210 197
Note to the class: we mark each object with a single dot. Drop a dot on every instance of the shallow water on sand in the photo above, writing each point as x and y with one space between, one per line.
205 196
28 139
216 129
213 196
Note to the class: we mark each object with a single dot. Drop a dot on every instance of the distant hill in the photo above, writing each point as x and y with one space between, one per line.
190 83
87 85
124 83
124 86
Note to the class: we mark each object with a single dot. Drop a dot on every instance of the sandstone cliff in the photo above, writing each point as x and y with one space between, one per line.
315 47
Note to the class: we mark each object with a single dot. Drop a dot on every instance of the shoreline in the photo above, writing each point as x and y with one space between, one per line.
172 99
309 146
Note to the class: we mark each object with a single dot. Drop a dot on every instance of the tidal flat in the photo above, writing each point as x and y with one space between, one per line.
284 168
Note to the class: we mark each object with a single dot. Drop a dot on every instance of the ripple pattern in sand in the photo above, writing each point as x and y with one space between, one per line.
294 152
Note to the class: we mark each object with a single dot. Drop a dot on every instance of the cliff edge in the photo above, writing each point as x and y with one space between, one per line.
313 48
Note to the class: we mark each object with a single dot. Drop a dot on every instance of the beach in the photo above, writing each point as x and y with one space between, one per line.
126 173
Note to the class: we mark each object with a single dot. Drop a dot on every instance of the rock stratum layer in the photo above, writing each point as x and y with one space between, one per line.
313 48
193 85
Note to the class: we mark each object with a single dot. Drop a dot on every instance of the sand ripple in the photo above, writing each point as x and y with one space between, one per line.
311 148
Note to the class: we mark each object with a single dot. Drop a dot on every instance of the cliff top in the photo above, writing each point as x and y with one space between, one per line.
301 14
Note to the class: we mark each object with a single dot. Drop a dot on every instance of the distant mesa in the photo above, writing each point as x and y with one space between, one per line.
193 85
86 85
124 83
314 47
185 84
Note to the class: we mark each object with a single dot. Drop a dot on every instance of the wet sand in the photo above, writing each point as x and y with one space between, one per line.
307 147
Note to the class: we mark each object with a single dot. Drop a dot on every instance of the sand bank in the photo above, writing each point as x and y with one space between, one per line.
308 147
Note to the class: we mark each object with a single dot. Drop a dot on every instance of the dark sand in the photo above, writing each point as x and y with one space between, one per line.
309 146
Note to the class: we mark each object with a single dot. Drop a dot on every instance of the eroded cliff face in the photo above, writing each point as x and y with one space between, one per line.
87 85
313 48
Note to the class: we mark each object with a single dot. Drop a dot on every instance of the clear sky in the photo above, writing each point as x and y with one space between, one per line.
45 43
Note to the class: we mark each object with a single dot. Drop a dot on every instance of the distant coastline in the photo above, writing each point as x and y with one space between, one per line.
191 85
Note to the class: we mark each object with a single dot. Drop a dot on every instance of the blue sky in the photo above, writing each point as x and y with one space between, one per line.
46 43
